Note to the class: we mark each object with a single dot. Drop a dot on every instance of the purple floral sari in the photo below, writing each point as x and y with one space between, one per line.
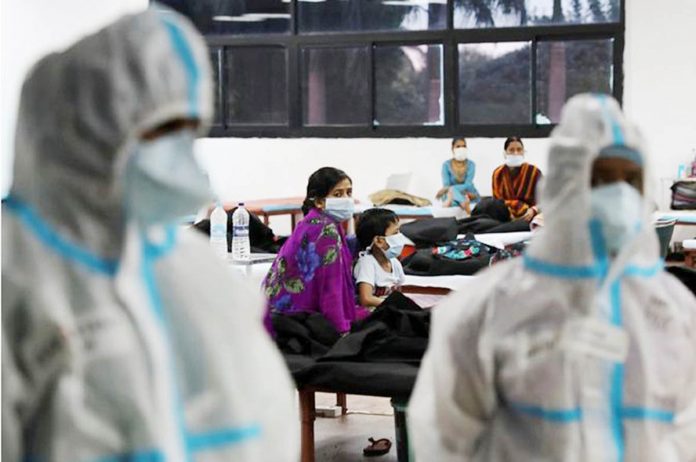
313 273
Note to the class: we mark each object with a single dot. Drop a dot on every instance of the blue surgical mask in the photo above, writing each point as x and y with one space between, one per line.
340 208
163 181
396 244
618 207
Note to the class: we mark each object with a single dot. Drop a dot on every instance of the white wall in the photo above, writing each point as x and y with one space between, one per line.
660 83
268 168
32 28
660 94
281 167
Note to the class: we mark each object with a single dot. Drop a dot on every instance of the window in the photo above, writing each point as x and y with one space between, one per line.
215 61
495 83
371 15
394 68
470 14
335 86
223 17
408 85
566 68
256 86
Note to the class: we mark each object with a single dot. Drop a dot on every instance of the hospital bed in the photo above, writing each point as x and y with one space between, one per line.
258 267
392 380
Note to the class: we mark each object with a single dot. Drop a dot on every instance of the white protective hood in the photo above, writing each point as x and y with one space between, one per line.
119 345
570 241
82 110
564 354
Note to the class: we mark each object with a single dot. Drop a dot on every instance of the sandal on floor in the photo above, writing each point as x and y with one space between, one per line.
377 447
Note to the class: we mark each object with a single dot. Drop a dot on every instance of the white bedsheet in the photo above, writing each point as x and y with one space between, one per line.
453 282
257 272
500 240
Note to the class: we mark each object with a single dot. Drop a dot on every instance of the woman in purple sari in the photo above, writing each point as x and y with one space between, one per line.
313 270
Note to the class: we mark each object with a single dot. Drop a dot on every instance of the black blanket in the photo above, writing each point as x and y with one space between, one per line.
424 263
430 231
397 331
379 356
685 275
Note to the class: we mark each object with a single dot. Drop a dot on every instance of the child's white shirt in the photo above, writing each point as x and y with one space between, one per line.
368 270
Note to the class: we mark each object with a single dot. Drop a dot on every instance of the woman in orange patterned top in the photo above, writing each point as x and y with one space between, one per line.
515 182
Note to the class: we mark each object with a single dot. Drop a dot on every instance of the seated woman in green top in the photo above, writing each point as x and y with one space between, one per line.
458 188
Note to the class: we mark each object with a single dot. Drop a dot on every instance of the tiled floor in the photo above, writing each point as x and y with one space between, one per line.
342 439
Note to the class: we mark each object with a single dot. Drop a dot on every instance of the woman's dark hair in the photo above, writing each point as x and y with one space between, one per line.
320 183
373 222
457 138
512 139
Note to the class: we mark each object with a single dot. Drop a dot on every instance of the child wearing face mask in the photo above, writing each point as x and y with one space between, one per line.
458 173
378 271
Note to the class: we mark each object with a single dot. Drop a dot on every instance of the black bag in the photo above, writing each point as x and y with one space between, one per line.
430 231
261 237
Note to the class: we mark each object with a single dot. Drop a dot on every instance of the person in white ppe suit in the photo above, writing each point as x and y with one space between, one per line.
584 348
125 338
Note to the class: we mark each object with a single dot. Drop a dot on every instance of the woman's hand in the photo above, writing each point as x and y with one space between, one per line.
441 192
530 214
466 205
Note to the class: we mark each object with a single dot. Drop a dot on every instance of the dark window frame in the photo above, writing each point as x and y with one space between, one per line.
449 38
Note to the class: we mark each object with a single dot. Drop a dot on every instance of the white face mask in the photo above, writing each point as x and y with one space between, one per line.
619 209
461 153
163 181
340 208
513 160
396 244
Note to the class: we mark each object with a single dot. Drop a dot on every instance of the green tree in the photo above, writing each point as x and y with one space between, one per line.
483 10
597 11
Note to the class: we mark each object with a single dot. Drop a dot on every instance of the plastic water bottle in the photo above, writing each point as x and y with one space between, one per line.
241 247
218 231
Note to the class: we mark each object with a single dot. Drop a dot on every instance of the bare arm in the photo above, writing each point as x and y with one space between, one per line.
365 297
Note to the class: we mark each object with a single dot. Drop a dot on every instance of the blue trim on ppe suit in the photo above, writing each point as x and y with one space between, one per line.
57 243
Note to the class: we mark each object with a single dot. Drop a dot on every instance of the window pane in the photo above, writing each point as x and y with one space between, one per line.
408 85
495 83
215 65
235 16
360 15
471 14
335 86
256 91
567 68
